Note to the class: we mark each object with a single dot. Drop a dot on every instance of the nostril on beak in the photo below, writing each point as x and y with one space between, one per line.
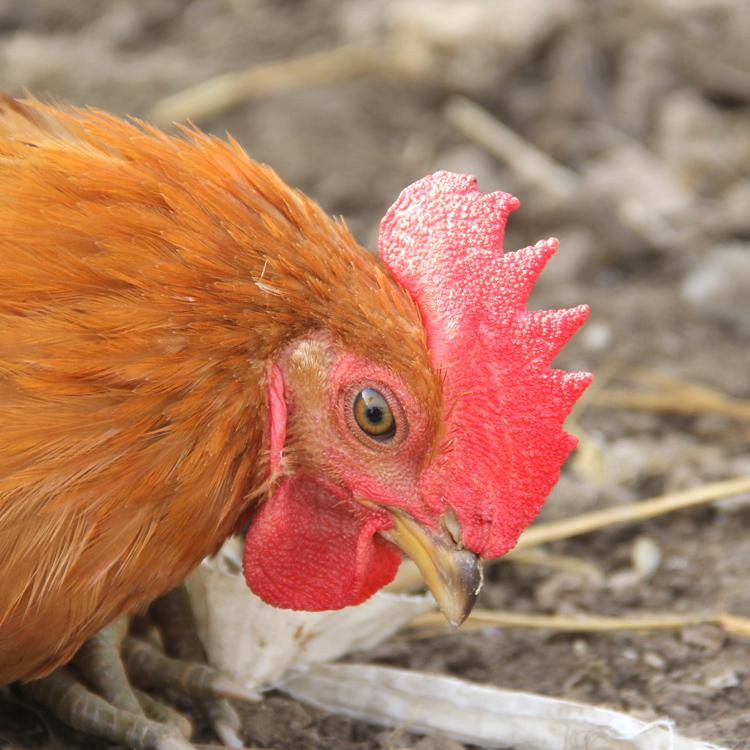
449 522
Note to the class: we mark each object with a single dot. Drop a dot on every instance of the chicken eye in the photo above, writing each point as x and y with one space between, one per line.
373 415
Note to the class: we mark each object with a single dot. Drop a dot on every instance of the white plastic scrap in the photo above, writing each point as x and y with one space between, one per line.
477 714
253 643
256 644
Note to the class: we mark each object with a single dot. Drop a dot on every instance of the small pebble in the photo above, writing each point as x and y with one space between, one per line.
580 647
596 336
723 679
654 660
646 556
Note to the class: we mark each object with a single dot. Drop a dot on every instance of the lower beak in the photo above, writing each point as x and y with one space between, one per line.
453 574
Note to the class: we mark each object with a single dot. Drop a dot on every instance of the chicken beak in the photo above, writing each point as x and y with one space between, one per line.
453 574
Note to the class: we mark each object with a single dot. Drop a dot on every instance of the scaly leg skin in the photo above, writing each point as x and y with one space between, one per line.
75 704
108 706
186 671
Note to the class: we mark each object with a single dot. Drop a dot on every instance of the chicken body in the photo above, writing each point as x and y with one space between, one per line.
187 346
146 283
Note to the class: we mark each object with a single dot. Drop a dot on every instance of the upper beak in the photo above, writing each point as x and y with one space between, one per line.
453 574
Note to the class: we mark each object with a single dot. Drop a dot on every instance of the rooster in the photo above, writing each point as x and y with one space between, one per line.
190 349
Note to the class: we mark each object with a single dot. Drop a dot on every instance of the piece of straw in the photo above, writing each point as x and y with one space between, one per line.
219 94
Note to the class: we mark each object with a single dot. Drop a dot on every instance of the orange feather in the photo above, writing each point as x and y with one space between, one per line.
146 281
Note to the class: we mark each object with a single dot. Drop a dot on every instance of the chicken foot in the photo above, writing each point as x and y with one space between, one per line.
112 662
186 670
119 713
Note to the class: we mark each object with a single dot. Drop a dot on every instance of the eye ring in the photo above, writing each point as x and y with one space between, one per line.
373 415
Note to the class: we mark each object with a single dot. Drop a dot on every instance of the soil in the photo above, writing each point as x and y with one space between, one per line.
648 105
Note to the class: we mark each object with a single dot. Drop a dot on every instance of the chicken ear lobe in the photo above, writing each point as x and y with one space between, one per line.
277 416
307 549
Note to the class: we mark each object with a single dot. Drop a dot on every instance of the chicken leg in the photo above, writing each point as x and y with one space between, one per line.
95 693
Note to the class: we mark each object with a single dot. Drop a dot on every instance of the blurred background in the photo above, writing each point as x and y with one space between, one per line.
624 128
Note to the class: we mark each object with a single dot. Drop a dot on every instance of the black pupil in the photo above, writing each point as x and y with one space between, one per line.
375 414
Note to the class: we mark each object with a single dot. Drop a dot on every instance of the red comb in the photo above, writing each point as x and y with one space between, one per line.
505 443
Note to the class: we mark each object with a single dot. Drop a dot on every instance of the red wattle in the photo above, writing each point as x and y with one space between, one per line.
307 549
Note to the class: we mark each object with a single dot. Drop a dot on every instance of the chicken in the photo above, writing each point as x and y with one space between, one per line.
190 348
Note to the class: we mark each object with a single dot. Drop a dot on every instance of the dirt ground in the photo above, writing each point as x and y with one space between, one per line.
644 108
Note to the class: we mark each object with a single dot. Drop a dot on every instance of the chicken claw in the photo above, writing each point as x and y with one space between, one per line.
72 702
108 705
174 616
